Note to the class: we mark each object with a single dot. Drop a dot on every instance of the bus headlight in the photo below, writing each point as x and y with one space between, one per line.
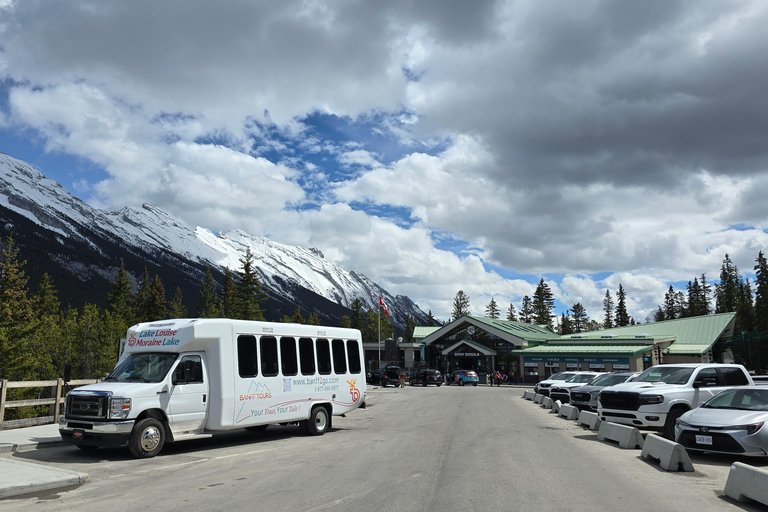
119 408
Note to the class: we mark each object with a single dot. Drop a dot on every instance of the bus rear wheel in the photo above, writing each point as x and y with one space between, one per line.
319 422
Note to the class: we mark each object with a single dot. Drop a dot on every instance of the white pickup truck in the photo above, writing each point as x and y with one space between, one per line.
662 393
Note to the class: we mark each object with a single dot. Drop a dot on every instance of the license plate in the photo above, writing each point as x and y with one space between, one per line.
77 434
704 440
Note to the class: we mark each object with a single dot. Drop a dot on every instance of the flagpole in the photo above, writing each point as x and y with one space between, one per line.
379 331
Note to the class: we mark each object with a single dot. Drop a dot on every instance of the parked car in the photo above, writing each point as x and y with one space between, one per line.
462 377
542 387
426 376
663 393
384 376
730 422
584 398
561 389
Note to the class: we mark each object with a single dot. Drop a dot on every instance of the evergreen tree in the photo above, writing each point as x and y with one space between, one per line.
579 317
176 308
43 341
761 293
17 317
120 298
659 316
230 307
526 310
511 313
745 308
313 319
410 325
681 305
431 321
345 322
142 300
47 297
460 305
492 309
156 309
706 293
207 298
670 311
608 310
358 314
543 304
297 317
566 326
250 293
727 291
622 317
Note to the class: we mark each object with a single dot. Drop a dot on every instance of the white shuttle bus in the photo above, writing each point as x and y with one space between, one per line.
186 379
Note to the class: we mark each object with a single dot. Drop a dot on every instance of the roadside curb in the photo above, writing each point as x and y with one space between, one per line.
25 477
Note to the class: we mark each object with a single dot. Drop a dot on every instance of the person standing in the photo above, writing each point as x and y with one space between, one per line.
402 379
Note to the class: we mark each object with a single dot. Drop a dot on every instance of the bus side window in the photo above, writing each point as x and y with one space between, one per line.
268 356
307 356
247 363
339 357
323 357
353 351
288 356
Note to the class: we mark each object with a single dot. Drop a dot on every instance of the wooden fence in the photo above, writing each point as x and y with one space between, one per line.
55 404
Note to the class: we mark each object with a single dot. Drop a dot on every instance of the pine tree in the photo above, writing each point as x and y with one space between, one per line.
543 304
745 308
681 305
207 298
120 298
176 308
17 317
141 305
580 318
608 310
410 325
622 317
43 341
431 321
492 309
156 309
230 307
460 305
250 294
669 304
511 313
297 317
566 326
659 316
313 319
358 314
705 305
727 291
526 310
761 293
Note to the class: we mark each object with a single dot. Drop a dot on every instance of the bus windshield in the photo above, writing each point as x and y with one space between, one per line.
143 367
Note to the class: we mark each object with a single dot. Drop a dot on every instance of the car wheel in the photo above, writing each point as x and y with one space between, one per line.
474 383
669 425
461 383
439 384
147 438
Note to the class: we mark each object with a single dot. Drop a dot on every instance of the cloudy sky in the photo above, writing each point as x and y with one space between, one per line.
433 145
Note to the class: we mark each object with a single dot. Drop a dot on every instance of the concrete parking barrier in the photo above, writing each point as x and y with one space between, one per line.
746 483
569 412
626 436
589 419
556 405
537 398
546 402
671 455
528 395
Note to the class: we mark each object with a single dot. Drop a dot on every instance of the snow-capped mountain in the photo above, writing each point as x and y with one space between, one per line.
94 242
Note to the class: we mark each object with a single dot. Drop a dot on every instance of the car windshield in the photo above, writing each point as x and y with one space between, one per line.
581 378
609 380
741 399
560 376
666 374
144 367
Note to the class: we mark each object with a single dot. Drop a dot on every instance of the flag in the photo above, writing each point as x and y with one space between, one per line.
381 303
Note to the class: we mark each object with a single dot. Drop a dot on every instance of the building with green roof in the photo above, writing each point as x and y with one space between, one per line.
533 352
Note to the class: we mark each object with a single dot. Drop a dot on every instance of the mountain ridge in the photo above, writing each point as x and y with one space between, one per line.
94 242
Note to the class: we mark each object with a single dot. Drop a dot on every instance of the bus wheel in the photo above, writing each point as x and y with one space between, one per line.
147 438
319 421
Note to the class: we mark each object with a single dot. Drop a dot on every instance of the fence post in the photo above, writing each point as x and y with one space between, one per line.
3 387
57 406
